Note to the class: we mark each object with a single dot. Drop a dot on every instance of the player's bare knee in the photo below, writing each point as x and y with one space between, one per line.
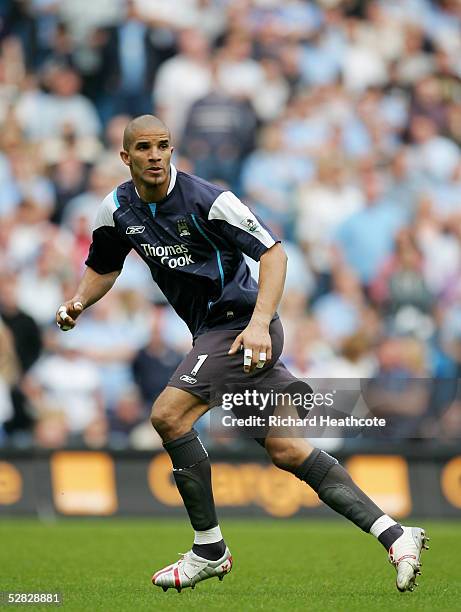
172 416
286 454
166 421
157 421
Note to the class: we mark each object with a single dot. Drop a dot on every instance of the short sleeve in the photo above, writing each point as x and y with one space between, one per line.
240 226
108 249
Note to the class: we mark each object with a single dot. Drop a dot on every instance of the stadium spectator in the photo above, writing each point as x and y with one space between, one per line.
400 390
110 156
440 247
366 238
43 279
362 65
128 65
427 100
323 204
109 339
218 134
65 386
270 176
70 179
271 97
401 282
239 74
82 23
403 184
128 413
157 356
101 180
319 62
309 349
339 311
432 154
26 180
416 61
46 115
182 80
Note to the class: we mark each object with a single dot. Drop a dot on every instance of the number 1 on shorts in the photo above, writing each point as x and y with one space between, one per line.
198 365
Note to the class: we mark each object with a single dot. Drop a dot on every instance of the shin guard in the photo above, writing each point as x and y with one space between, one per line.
192 474
337 490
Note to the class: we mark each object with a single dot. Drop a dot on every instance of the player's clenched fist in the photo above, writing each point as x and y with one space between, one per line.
67 314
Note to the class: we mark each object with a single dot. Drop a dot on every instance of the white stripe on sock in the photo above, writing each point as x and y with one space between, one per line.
209 536
381 524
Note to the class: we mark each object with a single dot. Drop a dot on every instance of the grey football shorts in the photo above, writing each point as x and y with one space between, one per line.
208 368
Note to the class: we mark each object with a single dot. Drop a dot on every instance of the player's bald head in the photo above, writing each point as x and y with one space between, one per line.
139 125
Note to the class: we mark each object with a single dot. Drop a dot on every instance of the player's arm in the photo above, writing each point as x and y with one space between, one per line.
255 337
243 229
272 274
105 259
92 288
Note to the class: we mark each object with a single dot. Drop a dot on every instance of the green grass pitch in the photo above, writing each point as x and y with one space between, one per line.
279 565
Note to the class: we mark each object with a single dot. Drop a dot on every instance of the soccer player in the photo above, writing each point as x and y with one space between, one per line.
192 235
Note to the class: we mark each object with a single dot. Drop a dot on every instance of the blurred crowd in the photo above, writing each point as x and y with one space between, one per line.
337 121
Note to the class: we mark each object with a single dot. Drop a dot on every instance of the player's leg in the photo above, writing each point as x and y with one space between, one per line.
331 482
337 490
173 416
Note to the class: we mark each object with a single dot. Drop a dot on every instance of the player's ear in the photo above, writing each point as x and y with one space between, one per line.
125 158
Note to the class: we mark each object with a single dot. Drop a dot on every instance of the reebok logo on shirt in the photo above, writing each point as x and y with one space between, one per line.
135 229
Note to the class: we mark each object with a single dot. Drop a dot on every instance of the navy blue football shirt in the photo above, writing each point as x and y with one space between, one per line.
193 242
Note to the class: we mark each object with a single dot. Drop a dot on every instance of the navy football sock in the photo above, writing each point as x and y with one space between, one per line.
388 537
213 551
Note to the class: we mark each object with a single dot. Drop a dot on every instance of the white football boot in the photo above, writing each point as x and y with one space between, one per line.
191 569
404 555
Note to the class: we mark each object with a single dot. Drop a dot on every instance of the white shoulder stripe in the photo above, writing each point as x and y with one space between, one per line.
227 207
105 214
172 183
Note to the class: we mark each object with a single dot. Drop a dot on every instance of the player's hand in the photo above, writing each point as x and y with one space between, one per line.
67 314
257 346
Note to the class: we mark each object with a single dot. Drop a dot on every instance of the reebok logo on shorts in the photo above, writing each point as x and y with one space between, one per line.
188 379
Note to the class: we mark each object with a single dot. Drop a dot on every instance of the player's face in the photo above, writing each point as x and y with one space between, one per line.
148 157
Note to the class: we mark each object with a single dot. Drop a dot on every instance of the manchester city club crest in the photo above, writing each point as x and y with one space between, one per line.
183 229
